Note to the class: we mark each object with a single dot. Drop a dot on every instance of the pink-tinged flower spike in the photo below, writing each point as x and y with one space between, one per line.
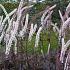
8 32
64 48
12 31
66 65
11 38
32 31
23 31
15 47
26 7
51 8
64 26
21 9
45 13
38 36
62 51
47 21
68 7
67 10
19 12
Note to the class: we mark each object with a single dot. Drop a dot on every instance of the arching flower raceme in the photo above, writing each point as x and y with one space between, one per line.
15 47
64 45
23 31
67 10
32 31
66 65
68 7
64 26
38 36
11 38
13 27
45 13
47 20
62 50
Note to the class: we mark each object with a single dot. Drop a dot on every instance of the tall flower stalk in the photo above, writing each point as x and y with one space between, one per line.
65 21
10 31
38 36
